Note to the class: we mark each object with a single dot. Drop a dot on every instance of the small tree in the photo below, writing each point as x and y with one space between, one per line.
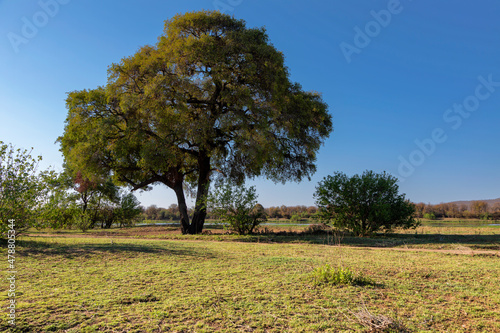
129 210
480 209
22 190
237 206
60 209
78 201
363 204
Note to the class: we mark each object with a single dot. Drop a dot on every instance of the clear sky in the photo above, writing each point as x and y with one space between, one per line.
413 86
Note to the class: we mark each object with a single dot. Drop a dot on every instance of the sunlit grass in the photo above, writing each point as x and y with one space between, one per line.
109 284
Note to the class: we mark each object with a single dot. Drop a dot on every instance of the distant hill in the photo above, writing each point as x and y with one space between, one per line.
490 202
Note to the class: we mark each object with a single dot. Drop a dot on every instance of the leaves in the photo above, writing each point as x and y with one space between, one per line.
23 191
212 94
364 204
237 206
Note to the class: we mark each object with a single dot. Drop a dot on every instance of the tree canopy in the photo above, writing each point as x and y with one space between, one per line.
212 97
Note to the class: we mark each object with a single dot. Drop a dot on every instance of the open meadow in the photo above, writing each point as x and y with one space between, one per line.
153 279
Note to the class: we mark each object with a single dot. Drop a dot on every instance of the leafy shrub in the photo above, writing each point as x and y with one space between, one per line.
339 276
23 190
60 210
364 203
429 216
485 216
237 206
128 210
83 221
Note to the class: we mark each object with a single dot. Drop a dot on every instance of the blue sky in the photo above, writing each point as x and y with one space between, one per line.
413 86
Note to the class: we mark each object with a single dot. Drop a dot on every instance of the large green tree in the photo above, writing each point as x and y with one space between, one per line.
211 95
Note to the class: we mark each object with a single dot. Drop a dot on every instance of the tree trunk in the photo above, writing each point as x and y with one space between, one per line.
200 210
181 201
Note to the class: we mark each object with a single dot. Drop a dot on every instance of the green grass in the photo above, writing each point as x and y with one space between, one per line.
93 284
329 275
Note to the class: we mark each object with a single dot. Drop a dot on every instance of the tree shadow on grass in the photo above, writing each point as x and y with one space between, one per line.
489 242
36 247
479 242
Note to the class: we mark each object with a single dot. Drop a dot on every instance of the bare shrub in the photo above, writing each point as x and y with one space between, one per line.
315 229
378 323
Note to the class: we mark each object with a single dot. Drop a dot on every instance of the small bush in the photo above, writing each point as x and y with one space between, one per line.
297 218
237 206
339 276
364 204
429 216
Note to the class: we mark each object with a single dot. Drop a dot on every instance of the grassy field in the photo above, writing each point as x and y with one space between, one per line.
152 279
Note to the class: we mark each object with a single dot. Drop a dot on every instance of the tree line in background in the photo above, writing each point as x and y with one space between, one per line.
293 213
475 210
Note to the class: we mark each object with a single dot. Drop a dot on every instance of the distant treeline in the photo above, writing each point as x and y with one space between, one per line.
474 210
171 213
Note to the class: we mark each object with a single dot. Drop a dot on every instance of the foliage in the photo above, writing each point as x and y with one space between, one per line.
76 201
129 210
61 208
237 206
296 218
23 191
212 94
468 210
327 274
429 216
479 208
153 212
364 204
